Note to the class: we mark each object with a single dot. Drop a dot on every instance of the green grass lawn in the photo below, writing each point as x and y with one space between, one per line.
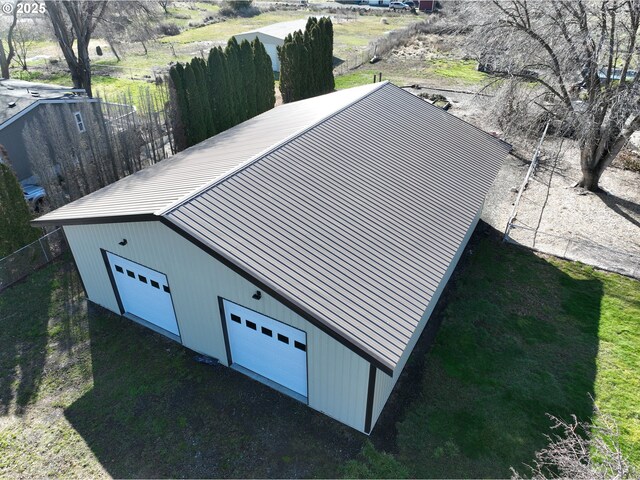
521 337
460 70
86 393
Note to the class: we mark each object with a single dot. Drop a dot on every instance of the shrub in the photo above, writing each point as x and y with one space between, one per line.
374 464
240 8
169 29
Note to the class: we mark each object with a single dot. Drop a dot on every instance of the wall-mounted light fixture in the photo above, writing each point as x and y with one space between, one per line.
123 242
257 295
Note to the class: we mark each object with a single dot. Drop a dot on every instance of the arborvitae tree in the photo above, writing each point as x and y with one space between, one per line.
265 84
306 61
248 78
15 231
219 97
197 129
303 71
232 53
287 68
314 51
201 72
176 73
233 85
326 32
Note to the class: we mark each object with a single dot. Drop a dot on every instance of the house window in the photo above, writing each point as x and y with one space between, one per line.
79 122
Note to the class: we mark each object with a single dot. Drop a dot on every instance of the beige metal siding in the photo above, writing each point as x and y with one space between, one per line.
385 383
337 377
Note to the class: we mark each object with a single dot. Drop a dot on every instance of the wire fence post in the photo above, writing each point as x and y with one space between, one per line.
525 182
46 257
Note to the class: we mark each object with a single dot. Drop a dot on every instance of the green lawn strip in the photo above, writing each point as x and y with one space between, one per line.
521 337
222 31
363 76
464 71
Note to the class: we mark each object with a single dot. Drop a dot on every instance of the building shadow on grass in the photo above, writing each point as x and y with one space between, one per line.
154 412
24 331
517 339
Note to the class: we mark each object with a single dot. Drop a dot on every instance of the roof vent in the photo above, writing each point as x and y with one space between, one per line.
35 94
12 104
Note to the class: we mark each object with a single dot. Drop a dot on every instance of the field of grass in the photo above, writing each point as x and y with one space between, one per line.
86 393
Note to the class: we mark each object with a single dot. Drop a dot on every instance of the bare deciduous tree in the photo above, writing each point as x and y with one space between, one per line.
25 35
75 22
117 141
572 60
582 451
7 55
165 6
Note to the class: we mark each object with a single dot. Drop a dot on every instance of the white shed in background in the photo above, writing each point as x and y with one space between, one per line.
272 36
292 250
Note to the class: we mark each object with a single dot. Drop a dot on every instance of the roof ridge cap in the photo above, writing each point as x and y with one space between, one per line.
246 164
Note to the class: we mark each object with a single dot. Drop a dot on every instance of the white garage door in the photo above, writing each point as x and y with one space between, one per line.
267 347
144 293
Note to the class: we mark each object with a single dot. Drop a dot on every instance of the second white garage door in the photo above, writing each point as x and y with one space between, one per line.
267 347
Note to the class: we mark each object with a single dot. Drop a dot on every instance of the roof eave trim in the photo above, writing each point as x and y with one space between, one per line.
141 217
273 291
238 168
43 101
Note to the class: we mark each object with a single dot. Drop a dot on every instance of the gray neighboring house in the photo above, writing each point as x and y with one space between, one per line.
272 36
293 248
20 102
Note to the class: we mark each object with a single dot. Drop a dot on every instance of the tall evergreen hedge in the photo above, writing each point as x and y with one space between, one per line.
15 230
265 92
231 86
306 61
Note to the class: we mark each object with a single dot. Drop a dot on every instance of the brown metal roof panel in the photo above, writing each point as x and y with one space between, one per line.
300 277
292 217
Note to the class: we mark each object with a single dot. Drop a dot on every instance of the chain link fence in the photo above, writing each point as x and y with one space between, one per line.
19 264
575 248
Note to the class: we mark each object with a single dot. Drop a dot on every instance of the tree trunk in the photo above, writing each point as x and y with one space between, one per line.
113 49
4 65
84 65
591 168
6 57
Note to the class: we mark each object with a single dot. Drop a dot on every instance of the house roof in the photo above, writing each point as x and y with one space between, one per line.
278 30
337 209
24 94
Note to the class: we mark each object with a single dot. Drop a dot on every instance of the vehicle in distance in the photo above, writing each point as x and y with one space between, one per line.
398 6
33 194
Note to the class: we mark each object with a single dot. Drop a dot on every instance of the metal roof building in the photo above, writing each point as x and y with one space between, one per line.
296 247
272 36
